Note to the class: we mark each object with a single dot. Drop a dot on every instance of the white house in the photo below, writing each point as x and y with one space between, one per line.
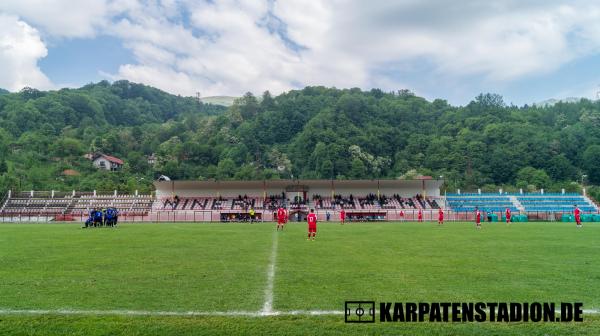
103 161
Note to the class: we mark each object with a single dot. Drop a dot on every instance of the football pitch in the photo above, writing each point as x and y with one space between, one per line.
200 278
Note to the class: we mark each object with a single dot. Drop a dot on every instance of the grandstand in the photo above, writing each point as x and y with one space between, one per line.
555 202
226 201
549 206
484 202
47 206
362 199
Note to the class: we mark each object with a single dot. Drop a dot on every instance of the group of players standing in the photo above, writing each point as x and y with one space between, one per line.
102 217
507 215
312 219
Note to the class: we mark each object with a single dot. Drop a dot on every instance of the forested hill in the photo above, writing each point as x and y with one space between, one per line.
315 132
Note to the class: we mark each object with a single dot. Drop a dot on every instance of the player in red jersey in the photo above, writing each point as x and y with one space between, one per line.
577 213
312 224
342 216
440 217
281 218
507 216
478 218
420 215
401 216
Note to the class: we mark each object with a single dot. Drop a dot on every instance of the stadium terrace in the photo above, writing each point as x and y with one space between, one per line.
232 201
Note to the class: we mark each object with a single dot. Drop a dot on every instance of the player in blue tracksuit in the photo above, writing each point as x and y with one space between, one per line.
90 220
110 217
97 217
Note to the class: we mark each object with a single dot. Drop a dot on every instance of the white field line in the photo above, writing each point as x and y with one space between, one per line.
167 313
5 311
268 305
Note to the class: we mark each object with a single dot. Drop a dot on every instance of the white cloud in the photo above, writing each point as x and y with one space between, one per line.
233 51
350 43
233 46
483 38
20 49
62 18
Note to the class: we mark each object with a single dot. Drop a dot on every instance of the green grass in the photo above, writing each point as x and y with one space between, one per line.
222 267
143 267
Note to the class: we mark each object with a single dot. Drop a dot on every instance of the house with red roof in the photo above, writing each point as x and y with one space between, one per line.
103 161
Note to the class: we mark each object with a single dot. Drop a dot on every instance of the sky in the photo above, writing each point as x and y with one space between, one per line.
527 51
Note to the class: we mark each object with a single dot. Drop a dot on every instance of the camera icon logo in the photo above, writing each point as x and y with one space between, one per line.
359 312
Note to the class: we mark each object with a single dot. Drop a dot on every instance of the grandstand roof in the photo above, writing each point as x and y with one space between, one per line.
213 184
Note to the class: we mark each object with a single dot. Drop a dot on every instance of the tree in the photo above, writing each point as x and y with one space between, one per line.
3 167
67 147
591 163
246 172
267 102
529 176
488 100
357 169
248 106
560 168
4 139
226 169
314 132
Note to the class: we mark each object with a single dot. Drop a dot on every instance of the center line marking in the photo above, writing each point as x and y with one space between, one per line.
268 305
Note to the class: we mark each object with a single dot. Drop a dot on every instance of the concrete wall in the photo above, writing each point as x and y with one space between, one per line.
98 161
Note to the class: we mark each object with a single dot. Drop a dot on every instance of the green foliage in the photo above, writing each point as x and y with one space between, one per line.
591 163
315 132
532 179
3 167
594 192
44 133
